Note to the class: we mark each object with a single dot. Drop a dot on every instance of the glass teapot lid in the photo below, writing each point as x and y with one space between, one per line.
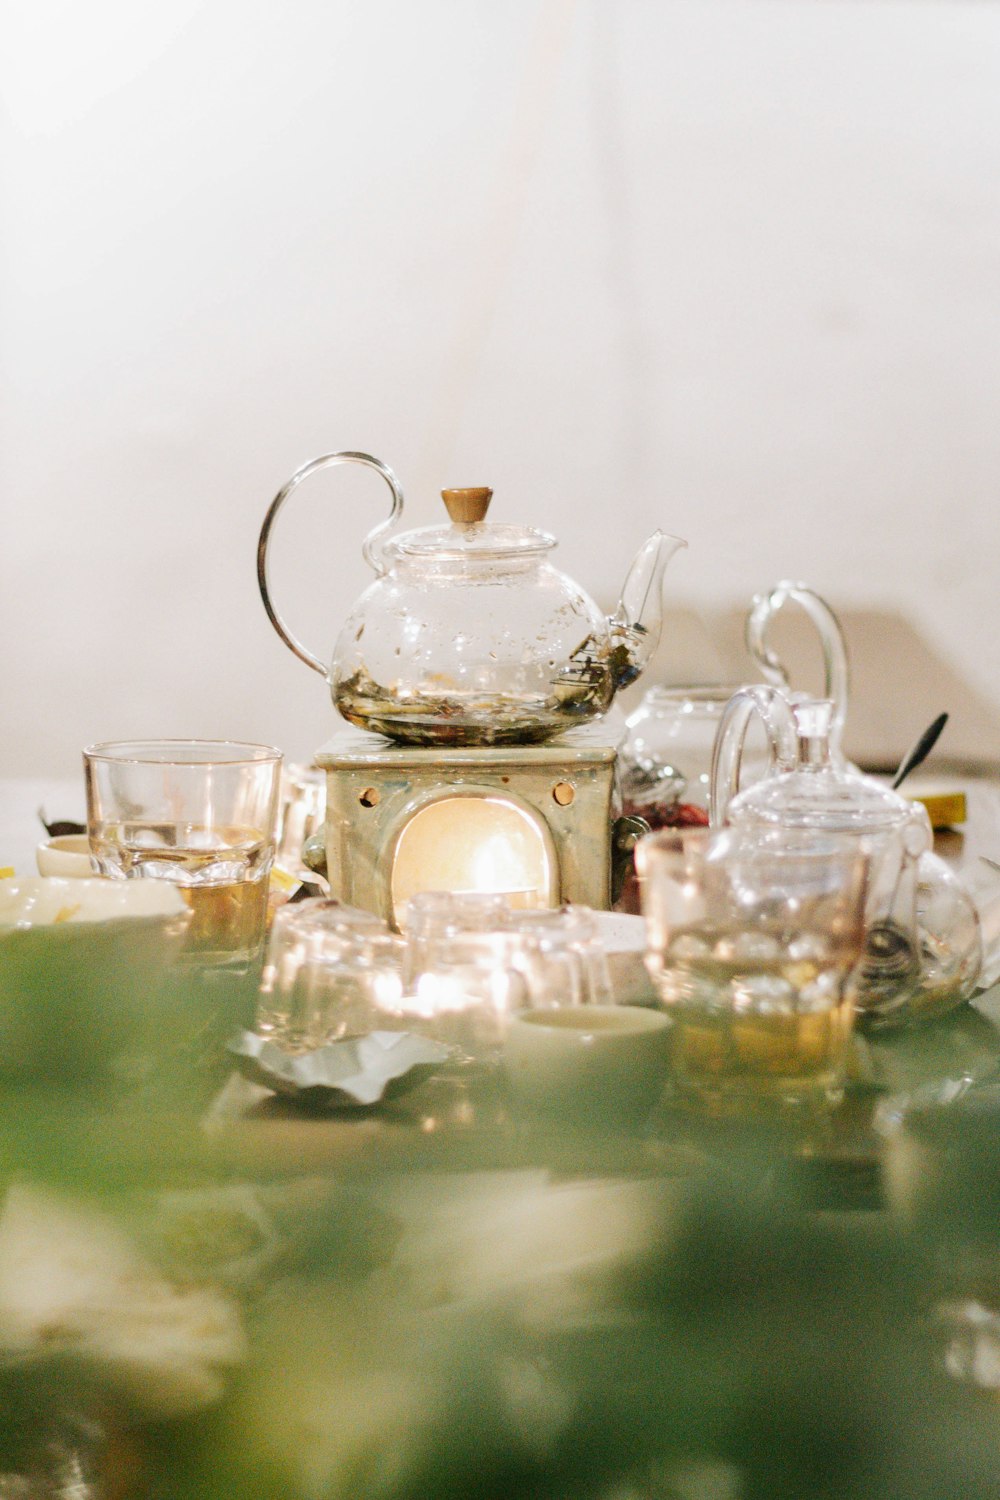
810 789
470 537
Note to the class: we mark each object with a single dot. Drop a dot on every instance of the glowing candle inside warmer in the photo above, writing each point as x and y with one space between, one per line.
437 994
497 990
482 844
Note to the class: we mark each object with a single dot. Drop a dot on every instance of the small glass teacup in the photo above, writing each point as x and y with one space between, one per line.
474 960
331 972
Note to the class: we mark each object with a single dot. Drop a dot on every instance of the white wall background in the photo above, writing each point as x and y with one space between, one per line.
727 266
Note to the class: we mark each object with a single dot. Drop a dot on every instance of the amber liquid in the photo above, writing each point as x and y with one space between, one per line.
756 1033
222 874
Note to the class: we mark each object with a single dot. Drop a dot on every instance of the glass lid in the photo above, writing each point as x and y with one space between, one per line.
823 798
470 536
817 792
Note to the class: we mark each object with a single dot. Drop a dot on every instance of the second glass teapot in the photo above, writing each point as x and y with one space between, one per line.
924 950
468 635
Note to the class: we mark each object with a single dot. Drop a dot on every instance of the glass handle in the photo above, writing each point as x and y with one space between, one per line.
831 638
770 705
371 547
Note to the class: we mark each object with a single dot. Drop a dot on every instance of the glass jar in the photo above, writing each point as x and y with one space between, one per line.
666 760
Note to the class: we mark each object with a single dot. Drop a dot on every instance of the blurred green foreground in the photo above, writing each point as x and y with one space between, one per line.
461 1306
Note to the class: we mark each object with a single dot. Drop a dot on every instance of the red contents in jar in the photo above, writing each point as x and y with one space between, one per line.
678 815
673 815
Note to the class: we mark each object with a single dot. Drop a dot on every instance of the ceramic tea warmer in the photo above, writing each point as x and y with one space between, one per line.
535 823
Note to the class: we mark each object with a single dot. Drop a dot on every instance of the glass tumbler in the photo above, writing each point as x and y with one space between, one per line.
200 814
753 946
331 972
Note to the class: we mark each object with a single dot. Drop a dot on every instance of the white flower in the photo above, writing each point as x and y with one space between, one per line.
72 1282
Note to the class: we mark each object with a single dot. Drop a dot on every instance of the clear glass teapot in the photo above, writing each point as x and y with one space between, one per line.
469 635
924 950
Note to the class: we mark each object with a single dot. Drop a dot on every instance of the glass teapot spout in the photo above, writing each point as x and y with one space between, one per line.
636 623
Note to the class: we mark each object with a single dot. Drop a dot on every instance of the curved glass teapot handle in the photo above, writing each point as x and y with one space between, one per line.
370 548
769 704
831 636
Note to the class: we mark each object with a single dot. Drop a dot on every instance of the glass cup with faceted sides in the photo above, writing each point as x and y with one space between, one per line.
331 972
200 814
752 946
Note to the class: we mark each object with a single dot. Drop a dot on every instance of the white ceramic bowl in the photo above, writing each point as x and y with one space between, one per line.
41 900
68 854
80 961
599 1061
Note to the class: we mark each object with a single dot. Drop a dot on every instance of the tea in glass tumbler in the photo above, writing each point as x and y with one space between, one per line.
200 814
753 948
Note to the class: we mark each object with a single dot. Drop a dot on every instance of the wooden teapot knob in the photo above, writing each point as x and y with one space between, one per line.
466 507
